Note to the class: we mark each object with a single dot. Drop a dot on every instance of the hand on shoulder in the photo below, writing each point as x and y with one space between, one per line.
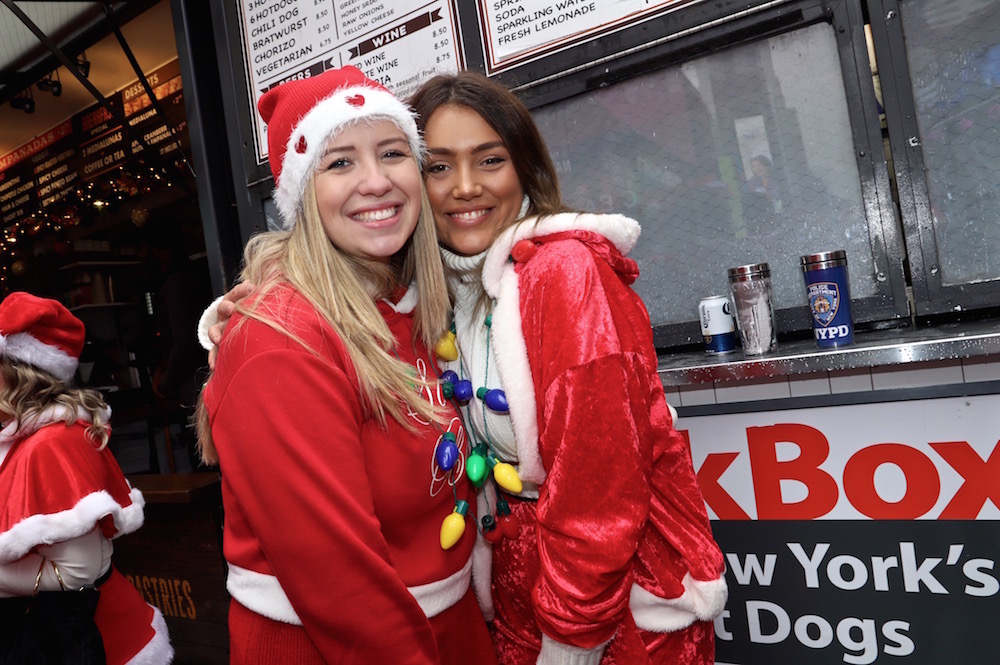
213 321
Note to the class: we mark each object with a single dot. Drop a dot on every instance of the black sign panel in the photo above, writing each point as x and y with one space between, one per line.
149 129
56 170
17 193
829 592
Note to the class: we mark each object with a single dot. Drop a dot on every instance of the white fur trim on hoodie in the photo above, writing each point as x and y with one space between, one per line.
408 302
262 593
501 282
557 653
700 601
621 231
208 319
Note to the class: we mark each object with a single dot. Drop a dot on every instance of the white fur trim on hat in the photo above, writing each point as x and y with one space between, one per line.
326 118
25 348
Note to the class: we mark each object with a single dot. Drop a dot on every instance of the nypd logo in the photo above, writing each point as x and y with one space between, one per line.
824 302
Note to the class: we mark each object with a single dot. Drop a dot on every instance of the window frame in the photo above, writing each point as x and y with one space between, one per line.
702 29
931 296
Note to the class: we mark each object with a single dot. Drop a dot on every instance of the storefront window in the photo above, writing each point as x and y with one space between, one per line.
741 156
953 51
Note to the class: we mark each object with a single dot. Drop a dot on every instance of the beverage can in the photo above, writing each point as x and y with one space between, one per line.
751 289
718 327
829 296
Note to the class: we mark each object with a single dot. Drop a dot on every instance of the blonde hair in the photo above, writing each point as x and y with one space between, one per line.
27 391
344 290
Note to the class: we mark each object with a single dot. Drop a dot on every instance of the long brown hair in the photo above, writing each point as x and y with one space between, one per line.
510 119
27 391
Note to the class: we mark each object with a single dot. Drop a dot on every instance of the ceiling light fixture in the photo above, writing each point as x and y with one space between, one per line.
24 101
51 84
83 64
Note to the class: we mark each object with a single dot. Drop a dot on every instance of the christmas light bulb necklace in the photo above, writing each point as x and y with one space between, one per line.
447 463
483 457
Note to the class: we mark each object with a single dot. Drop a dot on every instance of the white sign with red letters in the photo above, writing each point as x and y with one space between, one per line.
856 534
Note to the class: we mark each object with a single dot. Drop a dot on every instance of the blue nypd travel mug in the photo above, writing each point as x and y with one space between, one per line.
829 296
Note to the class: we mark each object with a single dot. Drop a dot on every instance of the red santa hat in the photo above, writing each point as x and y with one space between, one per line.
42 333
303 114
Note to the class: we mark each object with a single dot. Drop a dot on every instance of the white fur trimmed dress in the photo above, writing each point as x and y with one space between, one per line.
57 487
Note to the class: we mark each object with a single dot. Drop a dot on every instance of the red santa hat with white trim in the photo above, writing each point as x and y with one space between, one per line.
303 114
42 333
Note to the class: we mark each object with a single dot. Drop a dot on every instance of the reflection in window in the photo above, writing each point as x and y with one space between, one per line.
954 57
738 157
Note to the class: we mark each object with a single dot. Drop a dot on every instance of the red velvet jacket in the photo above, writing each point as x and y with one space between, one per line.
621 522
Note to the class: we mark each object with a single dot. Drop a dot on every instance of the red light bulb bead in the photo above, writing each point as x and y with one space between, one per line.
507 523
490 530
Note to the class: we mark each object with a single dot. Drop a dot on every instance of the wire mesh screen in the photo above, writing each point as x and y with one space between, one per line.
741 156
953 48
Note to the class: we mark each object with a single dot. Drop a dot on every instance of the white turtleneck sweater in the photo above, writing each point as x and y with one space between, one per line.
476 361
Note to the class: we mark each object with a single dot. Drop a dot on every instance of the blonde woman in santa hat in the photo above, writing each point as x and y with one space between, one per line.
64 495
341 460
614 561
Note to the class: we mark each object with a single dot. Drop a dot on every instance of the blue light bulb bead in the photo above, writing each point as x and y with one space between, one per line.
448 381
463 390
496 399
447 452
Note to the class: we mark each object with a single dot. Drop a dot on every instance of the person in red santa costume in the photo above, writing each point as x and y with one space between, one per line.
614 560
64 495
341 461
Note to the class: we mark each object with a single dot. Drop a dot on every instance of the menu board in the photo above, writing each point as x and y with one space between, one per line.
47 169
17 193
56 170
146 126
43 158
398 43
103 142
519 30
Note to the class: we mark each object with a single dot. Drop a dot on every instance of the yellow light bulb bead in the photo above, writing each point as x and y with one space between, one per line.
446 349
507 478
453 526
